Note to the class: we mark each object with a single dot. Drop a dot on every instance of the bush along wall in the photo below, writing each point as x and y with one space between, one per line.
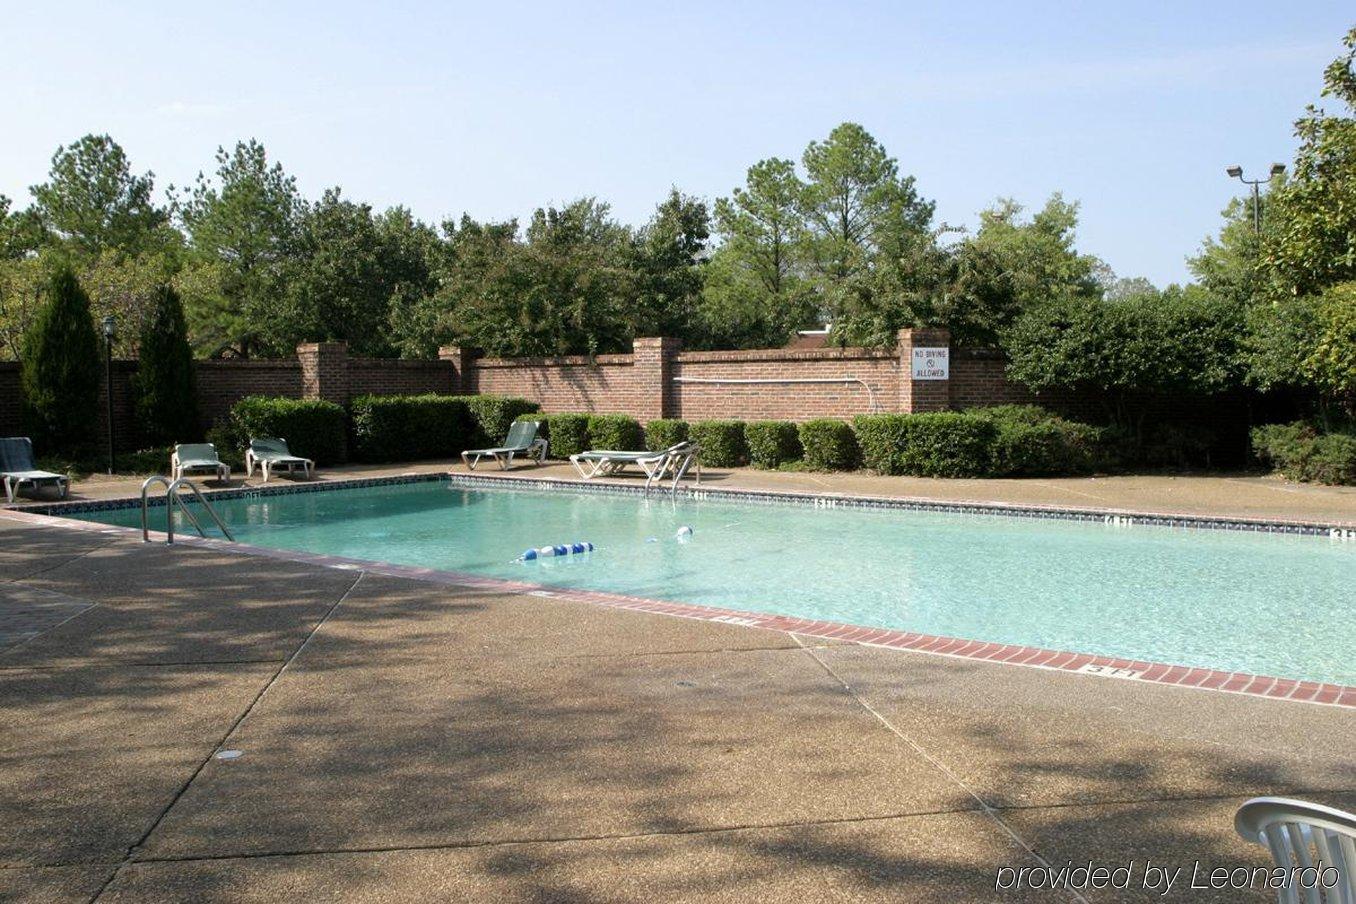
722 443
1033 442
491 417
829 444
615 431
772 443
1301 452
664 433
566 434
313 429
409 428
941 444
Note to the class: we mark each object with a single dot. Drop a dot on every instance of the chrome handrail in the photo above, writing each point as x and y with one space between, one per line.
171 497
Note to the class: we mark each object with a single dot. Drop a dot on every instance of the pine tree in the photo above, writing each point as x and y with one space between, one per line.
59 372
167 405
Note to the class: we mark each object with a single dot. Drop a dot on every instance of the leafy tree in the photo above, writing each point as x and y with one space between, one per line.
93 201
167 406
126 286
666 260
1312 242
244 229
346 269
21 289
1228 265
1011 265
756 293
1331 362
1127 351
856 204
59 371
21 231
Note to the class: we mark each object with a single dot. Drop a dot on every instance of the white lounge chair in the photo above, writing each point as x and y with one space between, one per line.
607 462
269 453
17 468
522 439
1299 835
191 457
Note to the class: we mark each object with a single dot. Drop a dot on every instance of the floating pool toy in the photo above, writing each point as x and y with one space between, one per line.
546 552
684 533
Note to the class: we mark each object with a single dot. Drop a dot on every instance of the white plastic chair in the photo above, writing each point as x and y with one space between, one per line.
1303 835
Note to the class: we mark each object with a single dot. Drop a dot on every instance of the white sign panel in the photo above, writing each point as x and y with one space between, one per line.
931 363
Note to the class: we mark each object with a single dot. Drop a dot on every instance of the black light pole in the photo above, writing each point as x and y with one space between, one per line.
110 330
1237 172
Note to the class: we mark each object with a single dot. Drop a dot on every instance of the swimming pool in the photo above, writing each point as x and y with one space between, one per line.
1268 604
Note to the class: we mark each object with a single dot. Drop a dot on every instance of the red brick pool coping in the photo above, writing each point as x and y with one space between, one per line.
986 651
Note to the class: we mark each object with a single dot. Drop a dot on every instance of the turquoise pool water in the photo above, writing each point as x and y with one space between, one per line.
1268 604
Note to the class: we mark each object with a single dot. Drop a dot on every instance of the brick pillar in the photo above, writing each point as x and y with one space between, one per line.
324 371
463 381
652 367
925 393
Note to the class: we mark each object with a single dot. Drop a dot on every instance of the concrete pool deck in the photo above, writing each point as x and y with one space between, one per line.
404 740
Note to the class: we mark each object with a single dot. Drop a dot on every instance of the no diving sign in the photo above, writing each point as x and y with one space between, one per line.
931 363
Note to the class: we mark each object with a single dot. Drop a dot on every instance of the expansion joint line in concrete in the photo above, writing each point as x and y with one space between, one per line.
984 806
183 789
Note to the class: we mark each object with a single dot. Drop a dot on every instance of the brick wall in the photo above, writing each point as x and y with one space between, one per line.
607 384
387 376
223 383
10 421
866 380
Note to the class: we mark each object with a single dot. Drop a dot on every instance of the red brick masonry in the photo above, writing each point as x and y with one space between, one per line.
1032 657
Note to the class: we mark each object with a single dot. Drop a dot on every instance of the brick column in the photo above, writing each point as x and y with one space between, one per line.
463 381
916 395
652 366
324 371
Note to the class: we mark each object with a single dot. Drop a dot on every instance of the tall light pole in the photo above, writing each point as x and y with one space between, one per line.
1236 172
110 331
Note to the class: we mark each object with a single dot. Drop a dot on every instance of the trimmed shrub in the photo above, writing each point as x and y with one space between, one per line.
491 416
663 433
772 443
409 428
167 405
829 445
941 444
59 369
1300 452
313 428
722 442
1033 442
566 434
615 431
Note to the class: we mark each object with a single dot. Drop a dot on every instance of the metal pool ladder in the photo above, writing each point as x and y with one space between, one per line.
171 497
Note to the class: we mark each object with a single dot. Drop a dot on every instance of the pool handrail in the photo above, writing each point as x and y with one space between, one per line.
171 496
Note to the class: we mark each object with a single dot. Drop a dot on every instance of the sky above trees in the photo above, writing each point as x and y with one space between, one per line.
1132 111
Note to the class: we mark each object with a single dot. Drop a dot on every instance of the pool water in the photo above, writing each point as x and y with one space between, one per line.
1268 604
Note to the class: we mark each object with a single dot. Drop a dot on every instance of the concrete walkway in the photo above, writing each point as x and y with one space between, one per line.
406 741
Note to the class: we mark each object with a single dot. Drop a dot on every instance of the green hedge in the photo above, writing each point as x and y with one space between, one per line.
409 428
566 434
772 443
491 416
615 431
1032 442
829 445
942 444
313 429
663 433
1301 452
722 443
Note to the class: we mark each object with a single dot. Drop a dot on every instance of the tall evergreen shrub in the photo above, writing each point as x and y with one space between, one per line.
59 371
167 403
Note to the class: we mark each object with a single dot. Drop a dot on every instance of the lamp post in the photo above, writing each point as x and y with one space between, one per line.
110 331
1236 172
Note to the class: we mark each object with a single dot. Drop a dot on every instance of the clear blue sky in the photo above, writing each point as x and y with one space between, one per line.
1133 109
